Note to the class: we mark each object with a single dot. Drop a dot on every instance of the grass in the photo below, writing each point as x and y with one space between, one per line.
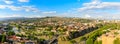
100 30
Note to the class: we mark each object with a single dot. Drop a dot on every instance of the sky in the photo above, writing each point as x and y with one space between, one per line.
105 9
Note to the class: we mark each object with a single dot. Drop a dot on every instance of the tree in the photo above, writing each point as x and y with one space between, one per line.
41 41
51 33
2 38
49 28
9 33
90 41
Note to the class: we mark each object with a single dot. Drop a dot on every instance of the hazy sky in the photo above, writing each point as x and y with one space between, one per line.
109 9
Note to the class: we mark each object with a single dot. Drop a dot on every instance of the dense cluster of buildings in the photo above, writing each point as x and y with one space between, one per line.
46 27
8 35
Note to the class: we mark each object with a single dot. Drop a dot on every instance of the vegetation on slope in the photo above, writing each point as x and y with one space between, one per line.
117 41
91 37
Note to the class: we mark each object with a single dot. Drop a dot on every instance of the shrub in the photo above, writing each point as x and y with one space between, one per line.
117 41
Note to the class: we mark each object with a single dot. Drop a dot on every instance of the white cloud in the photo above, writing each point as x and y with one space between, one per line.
87 16
15 8
99 9
98 5
30 8
14 15
8 2
19 8
49 12
2 6
94 2
23 0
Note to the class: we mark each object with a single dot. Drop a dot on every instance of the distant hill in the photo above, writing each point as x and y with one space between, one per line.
11 18
54 19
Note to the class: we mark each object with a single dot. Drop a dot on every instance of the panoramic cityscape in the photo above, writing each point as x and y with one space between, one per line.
59 22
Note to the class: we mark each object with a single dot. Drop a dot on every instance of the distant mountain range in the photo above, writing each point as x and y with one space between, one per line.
11 18
30 18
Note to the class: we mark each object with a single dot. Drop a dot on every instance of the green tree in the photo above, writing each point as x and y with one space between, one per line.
9 33
51 33
2 38
90 41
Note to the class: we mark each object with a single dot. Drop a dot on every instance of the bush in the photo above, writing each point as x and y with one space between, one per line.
10 33
72 41
98 42
117 41
51 33
82 38
90 41
91 38
116 33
